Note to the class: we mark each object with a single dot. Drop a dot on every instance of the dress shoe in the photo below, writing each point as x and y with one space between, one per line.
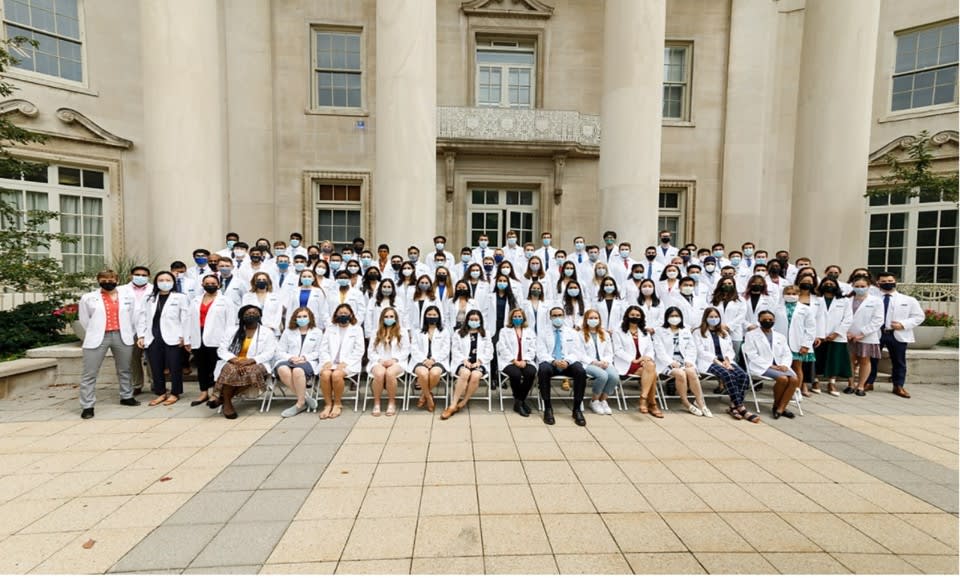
548 416
578 418
87 413
518 407
900 391
131 401
526 408
788 414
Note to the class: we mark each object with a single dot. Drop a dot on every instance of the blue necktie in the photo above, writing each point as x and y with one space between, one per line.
282 275
579 258
886 306
179 285
546 264
557 345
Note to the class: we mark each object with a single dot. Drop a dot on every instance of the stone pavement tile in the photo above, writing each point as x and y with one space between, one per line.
183 480
241 544
597 472
15 485
513 534
306 568
359 454
235 478
552 472
539 451
148 510
409 435
695 471
325 434
236 439
876 563
943 527
805 563
402 474
110 545
449 452
214 457
495 451
838 471
578 534
727 498
389 566
461 565
946 565
836 498
194 439
891 499
404 452
506 499
896 535
791 471
247 570
65 485
20 553
77 514
288 476
706 533
449 473
271 505
374 538
735 563
889 472
616 498
125 483
592 564
347 476
943 497
20 513
311 454
391 501
743 471
440 536
831 533
527 564
332 503
672 498
282 436
262 455
167 547
716 450
495 434
781 498
624 450
665 563
648 472
112 460
767 532
449 501
671 449
208 508
500 473
590 450
642 532
312 541
562 498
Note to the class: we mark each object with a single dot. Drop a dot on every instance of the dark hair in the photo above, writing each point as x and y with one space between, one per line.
568 301
210 276
508 292
136 268
379 296
666 315
178 265
663 272
353 317
464 328
231 234
423 324
236 344
201 252
565 278
766 312
718 296
429 293
513 270
653 297
609 234
531 287
625 324
750 284
836 294
886 274
601 294
156 290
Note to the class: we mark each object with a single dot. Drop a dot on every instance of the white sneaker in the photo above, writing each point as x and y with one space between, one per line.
293 410
606 407
311 403
706 411
694 410
596 407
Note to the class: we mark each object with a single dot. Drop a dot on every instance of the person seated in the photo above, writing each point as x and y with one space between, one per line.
429 355
768 355
472 351
298 355
245 358
715 355
341 356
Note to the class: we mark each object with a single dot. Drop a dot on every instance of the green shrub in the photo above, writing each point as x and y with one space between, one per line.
29 325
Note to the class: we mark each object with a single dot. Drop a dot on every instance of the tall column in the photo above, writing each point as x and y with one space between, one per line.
181 45
405 170
631 115
833 131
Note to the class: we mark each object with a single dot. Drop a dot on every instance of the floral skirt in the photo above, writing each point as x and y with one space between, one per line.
249 380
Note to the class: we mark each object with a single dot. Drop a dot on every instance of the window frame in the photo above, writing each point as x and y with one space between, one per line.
523 45
478 34
920 110
50 79
312 180
314 107
686 103
503 207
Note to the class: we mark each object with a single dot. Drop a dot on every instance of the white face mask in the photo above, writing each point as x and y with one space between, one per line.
647 291
674 321
686 290
672 274
791 298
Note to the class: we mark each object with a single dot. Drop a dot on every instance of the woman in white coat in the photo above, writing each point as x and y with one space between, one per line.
650 303
429 355
733 311
246 358
863 336
470 355
385 296
459 304
516 358
633 356
344 292
536 308
298 358
833 359
798 323
423 296
341 356
163 330
676 357
387 358
768 355
609 303
212 315
715 356
598 345
756 299
310 295
262 295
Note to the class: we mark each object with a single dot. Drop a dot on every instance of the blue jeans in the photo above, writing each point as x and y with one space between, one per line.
604 380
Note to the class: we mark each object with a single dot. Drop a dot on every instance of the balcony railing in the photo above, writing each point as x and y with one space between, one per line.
551 128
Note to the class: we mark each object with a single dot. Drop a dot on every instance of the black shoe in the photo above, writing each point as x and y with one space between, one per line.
87 413
526 408
776 414
213 403
518 406
788 414
578 418
130 401
848 390
861 393
548 416
229 415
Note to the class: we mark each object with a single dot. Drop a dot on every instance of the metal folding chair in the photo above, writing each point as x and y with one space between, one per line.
349 394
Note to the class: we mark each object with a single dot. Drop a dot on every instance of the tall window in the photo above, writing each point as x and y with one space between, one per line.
337 207
914 238
337 69
506 73
671 213
494 211
676 81
55 26
80 196
926 69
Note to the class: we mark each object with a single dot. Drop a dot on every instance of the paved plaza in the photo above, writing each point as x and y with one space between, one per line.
857 485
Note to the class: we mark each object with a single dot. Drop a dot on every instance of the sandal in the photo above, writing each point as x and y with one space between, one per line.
158 400
449 411
422 401
734 413
750 417
655 412
376 411
431 405
643 408
335 412
325 414
391 410
171 399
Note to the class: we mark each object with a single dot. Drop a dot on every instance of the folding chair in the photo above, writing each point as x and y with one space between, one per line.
411 390
485 380
349 394
403 381
634 380
797 396
705 385
274 384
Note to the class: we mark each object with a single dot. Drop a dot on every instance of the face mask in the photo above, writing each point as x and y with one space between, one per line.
791 298
557 322
601 273
665 240
343 319
299 267
315 256
264 248
829 290
303 321
473 324
833 276
718 254
431 320
335 265
756 289
536 293
694 276
347 255
887 286
593 322
439 264
806 286
727 288
609 289
389 322
535 267
748 252
506 270
624 254
686 258
294 243
774 271
366 261
231 243
283 266
517 321
546 242
251 321
633 320
735 261
713 321
609 241
464 258
413 257
761 261
439 246
498 259
225 271
306 281
766 324
240 253
201 261
511 241
484 244
396 266
672 274
638 276
211 289
501 286
111 285
651 257
462 293
424 286
353 270
163 285
277 250
675 321
647 291
579 246
407 272
686 290
573 292
140 280
343 282
386 291
710 268
861 290
474 274
261 285
568 272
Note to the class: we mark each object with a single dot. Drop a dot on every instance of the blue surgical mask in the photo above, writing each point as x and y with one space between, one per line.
557 322
389 322
579 246
573 292
484 244
306 281
517 321
502 286
343 282
594 257
735 261
474 274
713 321
748 252
546 242
638 276
201 261
861 290
718 254
140 280
568 272
302 321
439 246
694 276
335 265
413 257
528 254
231 243
511 241
225 271
473 324
283 265
294 243
299 267
593 322
761 261
464 258
365 261
608 289
624 254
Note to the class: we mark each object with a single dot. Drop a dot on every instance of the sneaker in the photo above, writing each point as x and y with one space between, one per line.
311 403
607 410
596 407
694 410
706 411
293 410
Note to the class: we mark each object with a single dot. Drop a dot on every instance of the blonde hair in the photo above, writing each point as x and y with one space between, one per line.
387 334
601 332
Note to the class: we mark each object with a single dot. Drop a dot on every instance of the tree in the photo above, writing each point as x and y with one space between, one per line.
913 177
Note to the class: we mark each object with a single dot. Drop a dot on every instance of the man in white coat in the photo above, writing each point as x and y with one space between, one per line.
560 352
901 313
666 251
107 315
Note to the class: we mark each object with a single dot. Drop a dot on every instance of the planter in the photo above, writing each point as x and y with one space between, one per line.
78 330
926 336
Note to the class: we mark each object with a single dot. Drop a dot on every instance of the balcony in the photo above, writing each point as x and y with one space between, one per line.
535 131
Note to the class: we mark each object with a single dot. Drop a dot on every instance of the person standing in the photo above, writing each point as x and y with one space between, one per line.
163 330
140 286
107 316
211 317
901 313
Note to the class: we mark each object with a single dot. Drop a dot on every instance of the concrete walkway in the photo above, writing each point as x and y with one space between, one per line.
862 485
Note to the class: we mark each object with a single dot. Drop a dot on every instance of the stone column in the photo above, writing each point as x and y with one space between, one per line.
405 173
833 131
631 116
183 110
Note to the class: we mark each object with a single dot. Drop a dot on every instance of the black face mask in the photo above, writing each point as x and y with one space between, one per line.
463 293
431 320
211 289
261 285
396 266
756 289
829 290
633 320
651 257
727 288
806 286
263 248
108 285
887 286
536 293
766 324
833 276
343 319
441 277
774 271
256 258
251 321
314 256
664 239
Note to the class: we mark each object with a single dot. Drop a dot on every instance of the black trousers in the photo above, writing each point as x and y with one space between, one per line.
206 362
521 380
574 370
898 359
162 356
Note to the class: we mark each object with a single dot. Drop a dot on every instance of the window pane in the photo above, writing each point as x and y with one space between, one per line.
69 176
41 19
878 239
93 179
927 238
948 218
946 275
943 94
948 54
927 219
16 12
898 220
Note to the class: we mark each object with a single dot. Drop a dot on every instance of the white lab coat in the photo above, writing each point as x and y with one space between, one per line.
452 308
624 350
460 351
234 291
92 315
750 313
573 351
836 319
761 355
706 355
733 315
611 313
663 347
413 316
174 320
691 311
652 314
508 343
197 273
221 320
392 350
291 345
802 329
373 311
666 254
602 350
622 273
348 341
868 319
440 351
271 310
263 348
538 317
907 311
353 298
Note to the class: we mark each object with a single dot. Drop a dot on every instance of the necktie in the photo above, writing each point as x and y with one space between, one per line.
626 264
226 283
579 258
465 267
557 345
179 285
488 277
546 255
483 253
650 271
749 263
886 306
282 276
596 348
